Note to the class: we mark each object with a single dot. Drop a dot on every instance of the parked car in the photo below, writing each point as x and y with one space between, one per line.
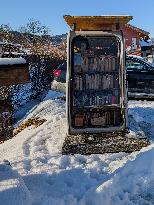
59 82
140 78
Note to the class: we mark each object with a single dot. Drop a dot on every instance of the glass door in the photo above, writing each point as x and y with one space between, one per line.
95 87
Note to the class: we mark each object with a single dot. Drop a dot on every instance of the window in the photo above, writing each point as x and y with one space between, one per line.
133 46
134 65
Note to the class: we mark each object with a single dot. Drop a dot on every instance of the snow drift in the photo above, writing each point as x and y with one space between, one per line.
49 178
13 190
132 184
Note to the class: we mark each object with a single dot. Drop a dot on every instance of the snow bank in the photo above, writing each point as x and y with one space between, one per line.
56 179
58 86
12 61
53 94
132 184
13 190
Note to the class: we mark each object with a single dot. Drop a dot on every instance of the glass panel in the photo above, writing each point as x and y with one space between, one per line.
95 78
132 65
95 71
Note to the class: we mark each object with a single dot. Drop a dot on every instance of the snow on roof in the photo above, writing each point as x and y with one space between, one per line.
135 56
14 53
12 61
9 43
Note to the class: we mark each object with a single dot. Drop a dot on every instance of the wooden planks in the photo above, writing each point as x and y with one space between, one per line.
14 74
95 23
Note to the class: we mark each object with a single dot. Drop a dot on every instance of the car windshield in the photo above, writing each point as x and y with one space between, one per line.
134 65
138 64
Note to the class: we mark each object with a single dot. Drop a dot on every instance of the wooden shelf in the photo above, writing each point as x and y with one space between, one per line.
98 90
96 72
112 106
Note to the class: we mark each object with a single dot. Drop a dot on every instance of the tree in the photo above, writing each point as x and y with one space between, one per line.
44 55
5 32
34 31
5 28
34 27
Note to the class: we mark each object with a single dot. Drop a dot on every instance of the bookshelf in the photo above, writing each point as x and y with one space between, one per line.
95 82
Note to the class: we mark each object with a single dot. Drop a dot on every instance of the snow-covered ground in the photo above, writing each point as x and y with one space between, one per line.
41 175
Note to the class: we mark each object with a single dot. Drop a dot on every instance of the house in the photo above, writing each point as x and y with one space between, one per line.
132 36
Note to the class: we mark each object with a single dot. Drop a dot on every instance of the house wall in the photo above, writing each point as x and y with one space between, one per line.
129 34
14 74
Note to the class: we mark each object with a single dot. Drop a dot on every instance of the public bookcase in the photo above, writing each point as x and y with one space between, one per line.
96 79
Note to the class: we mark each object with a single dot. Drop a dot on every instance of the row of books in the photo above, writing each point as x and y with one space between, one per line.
108 118
96 81
97 63
96 100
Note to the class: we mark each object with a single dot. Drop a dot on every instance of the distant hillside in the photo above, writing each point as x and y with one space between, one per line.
16 37
58 39
14 41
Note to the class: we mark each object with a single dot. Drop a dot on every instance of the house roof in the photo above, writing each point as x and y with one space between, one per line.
12 61
137 29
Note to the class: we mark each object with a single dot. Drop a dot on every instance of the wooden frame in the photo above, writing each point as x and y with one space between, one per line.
97 23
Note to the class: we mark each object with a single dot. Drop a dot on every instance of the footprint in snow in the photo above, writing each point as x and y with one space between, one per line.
64 162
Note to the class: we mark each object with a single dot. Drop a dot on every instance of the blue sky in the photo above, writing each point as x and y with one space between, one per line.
50 12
